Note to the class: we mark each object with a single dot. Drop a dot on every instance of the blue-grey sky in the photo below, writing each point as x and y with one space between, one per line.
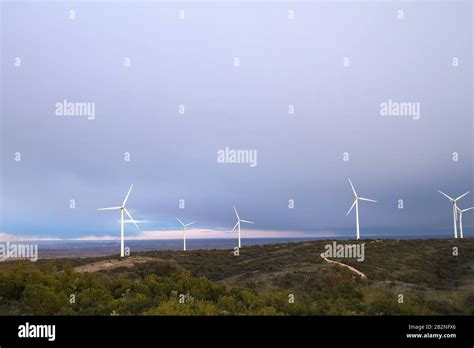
190 61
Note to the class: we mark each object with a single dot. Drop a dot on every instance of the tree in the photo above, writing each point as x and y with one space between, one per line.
39 299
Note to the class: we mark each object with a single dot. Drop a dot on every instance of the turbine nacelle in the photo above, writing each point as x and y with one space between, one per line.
185 225
126 212
357 198
464 210
239 220
454 200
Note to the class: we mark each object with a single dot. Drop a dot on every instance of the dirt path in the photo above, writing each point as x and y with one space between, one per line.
128 262
352 269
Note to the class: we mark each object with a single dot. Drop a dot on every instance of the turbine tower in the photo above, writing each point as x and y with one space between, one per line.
238 224
184 231
460 219
455 209
356 204
122 210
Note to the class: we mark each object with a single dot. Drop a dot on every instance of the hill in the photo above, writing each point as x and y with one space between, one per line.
403 277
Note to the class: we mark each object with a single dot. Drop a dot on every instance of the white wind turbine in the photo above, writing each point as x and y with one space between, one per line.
184 231
239 220
460 219
122 210
455 209
356 204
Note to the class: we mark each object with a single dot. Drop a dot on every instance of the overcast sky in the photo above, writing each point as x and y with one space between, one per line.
190 62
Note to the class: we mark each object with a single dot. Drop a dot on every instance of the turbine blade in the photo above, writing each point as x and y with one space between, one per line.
462 195
353 189
444 194
367 199
180 221
237 214
467 209
235 226
128 194
110 208
249 222
131 218
191 223
352 206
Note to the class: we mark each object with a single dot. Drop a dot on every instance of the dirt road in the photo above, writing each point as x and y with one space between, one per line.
352 269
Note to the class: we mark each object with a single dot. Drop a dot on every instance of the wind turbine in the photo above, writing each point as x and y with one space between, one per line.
184 228
122 210
356 204
239 220
455 209
460 218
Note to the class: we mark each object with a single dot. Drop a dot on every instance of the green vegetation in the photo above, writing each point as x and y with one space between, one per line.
261 281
